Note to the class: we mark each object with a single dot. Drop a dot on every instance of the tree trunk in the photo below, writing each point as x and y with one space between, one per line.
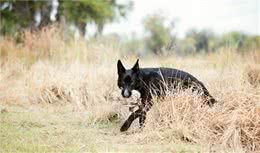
82 28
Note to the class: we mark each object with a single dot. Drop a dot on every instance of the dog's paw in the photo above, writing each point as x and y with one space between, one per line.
124 127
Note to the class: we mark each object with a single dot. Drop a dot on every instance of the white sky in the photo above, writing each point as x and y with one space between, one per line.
217 15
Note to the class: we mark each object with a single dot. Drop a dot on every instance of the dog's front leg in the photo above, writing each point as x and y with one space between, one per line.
130 119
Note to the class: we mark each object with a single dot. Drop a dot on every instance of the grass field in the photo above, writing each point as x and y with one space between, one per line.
62 130
61 95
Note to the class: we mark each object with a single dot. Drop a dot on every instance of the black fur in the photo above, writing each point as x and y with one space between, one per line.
155 81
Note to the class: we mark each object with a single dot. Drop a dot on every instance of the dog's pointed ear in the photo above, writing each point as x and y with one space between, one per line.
136 66
120 68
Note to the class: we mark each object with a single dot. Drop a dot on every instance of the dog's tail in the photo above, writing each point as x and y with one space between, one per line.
208 98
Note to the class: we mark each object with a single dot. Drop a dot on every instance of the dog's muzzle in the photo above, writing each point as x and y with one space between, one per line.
126 93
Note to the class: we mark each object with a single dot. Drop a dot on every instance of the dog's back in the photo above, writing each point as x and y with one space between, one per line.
161 79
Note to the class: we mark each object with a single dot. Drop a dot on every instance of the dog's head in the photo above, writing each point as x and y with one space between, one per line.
128 80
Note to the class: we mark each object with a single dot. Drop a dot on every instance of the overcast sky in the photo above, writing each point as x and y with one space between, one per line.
217 15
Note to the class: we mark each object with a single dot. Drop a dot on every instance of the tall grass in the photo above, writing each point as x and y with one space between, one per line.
47 69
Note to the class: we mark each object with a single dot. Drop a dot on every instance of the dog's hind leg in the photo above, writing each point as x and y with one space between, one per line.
208 98
142 119
210 101
147 106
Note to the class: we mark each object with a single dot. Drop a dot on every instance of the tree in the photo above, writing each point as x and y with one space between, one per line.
201 39
252 43
158 33
15 14
234 40
99 12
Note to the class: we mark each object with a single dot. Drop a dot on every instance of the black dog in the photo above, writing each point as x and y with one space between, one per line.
155 81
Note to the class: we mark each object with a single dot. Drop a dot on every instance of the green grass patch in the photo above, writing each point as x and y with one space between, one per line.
41 130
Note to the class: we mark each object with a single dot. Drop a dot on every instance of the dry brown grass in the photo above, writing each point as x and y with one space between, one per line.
232 123
83 76
252 73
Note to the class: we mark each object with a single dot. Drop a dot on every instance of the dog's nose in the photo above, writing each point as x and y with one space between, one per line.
126 93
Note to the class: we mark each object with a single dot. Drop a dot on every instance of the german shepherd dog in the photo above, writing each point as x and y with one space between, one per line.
154 81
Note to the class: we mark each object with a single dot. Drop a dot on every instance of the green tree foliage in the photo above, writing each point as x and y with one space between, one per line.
233 39
159 35
186 46
201 39
15 14
240 41
252 42
97 11
135 45
206 41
